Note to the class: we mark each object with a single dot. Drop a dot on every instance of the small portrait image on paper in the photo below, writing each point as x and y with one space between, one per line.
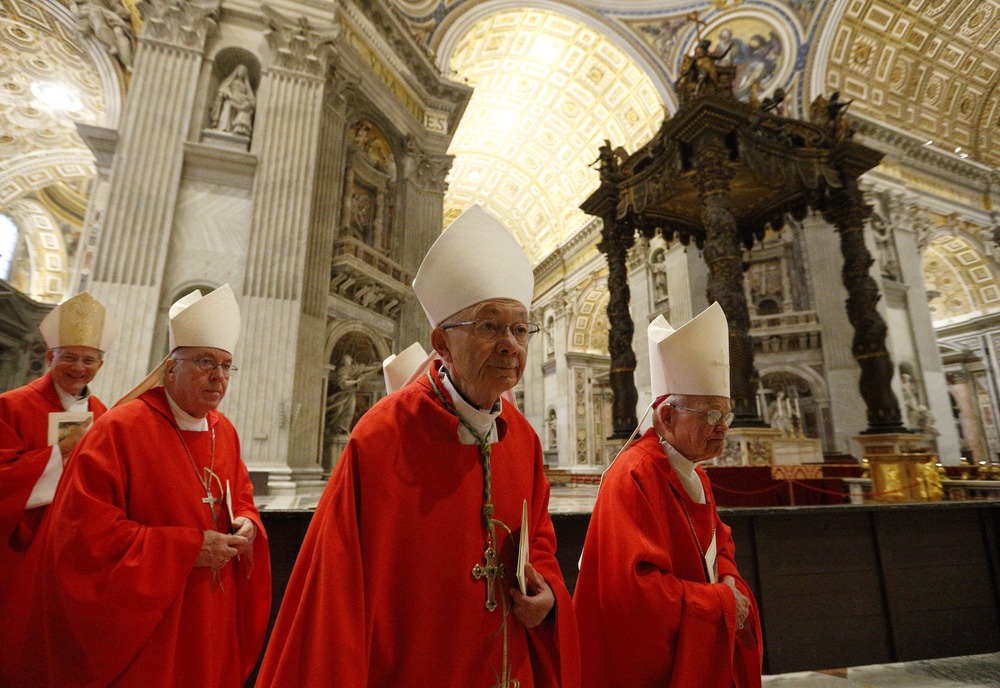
64 422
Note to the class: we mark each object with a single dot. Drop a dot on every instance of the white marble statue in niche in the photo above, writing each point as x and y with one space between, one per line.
234 104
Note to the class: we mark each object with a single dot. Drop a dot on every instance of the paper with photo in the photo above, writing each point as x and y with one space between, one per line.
62 423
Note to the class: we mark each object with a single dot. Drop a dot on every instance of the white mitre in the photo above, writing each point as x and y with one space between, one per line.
399 368
475 259
212 320
693 359
79 321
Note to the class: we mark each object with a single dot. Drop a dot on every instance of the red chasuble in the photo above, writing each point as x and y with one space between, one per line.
382 593
647 615
124 603
24 453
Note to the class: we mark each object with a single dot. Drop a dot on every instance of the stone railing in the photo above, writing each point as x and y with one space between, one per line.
367 277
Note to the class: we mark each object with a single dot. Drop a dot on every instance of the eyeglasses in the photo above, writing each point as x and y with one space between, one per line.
492 330
712 416
208 364
73 359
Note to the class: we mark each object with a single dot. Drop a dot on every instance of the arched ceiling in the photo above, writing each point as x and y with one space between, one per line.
928 67
961 282
548 91
46 83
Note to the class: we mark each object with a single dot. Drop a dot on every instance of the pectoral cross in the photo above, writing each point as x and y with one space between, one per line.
491 572
210 499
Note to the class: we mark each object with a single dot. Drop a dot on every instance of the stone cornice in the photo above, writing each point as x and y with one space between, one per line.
909 150
179 23
382 25
579 241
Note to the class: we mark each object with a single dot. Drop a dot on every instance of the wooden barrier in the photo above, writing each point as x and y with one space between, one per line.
837 586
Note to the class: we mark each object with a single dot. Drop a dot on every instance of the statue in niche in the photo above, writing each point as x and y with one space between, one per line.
658 266
911 399
883 241
234 104
111 24
779 413
343 401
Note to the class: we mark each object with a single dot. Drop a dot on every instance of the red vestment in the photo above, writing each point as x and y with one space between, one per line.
647 615
382 593
24 453
124 604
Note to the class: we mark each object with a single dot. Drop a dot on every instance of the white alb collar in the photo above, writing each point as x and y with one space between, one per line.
71 402
185 421
685 473
482 421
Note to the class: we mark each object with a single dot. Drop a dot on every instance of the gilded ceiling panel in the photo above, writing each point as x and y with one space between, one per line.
46 82
959 279
926 67
548 91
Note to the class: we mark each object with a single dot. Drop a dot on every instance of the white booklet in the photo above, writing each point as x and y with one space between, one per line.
61 423
522 549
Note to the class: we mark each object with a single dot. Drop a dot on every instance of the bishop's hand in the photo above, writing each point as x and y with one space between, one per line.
245 528
218 548
531 609
742 603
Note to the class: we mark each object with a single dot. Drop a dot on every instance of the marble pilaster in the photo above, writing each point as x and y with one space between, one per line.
144 179
283 292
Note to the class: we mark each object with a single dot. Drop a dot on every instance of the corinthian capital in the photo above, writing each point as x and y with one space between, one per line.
298 45
184 23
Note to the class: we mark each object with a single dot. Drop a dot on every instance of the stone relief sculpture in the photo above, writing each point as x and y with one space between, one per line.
234 104
111 23
343 402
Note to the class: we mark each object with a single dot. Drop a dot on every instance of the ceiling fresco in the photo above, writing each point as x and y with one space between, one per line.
553 79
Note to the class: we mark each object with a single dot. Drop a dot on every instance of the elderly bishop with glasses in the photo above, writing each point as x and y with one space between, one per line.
40 425
407 576
659 599
157 571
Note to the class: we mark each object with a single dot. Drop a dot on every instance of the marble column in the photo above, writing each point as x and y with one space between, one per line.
276 404
421 225
144 179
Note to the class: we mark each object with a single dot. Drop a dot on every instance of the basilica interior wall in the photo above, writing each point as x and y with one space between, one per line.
317 197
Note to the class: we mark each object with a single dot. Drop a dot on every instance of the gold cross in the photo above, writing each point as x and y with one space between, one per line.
491 572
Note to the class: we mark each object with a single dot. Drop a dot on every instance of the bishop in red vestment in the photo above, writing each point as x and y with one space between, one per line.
659 599
406 577
77 333
148 581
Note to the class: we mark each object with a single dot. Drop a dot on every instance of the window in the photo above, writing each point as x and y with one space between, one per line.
8 244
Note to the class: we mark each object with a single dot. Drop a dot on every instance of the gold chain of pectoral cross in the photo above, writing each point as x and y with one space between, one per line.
489 569
206 482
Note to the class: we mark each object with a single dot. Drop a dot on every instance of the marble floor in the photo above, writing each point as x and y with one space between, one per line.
949 672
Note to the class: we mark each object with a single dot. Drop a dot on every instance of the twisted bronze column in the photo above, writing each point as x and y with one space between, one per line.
724 259
615 243
846 210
